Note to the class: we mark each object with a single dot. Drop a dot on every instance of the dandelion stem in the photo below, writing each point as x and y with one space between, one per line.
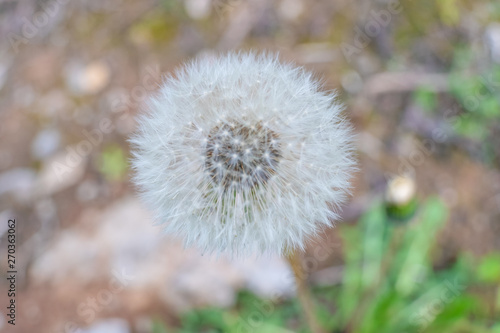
303 292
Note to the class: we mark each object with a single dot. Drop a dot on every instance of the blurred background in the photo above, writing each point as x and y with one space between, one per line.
419 253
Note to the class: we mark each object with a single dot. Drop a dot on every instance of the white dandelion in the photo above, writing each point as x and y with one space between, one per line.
243 154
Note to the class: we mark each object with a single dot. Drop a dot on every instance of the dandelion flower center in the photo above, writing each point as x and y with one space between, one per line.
239 156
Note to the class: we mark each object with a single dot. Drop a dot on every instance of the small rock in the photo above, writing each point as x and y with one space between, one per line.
5 216
20 182
112 325
143 324
4 67
204 281
198 9
32 312
61 171
87 191
267 277
46 210
55 103
66 260
126 124
87 80
449 196
367 65
24 96
492 39
5 159
370 145
83 115
45 143
291 9
352 82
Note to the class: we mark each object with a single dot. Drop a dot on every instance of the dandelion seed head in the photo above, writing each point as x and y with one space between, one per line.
243 154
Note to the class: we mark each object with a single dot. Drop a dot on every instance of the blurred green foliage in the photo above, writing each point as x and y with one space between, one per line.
426 99
477 92
113 163
389 285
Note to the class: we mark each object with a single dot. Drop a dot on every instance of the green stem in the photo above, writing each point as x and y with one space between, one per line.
303 292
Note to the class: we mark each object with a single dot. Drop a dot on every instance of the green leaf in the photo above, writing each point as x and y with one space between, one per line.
420 241
209 320
374 223
489 107
472 128
425 98
381 311
496 328
351 286
449 11
158 327
454 310
113 164
489 268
